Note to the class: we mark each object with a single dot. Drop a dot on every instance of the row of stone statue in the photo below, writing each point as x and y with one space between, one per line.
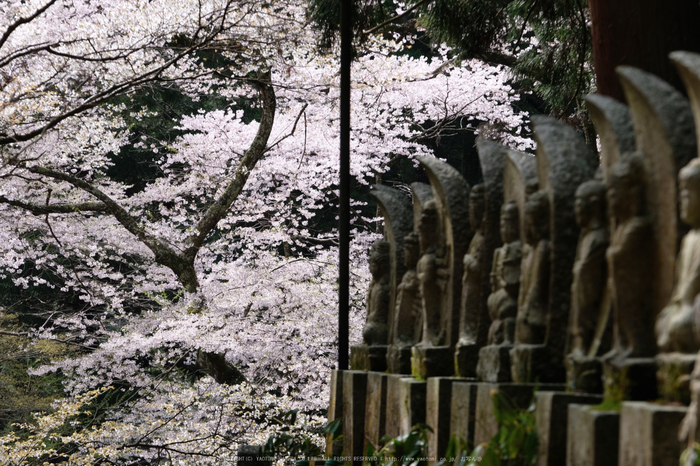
560 267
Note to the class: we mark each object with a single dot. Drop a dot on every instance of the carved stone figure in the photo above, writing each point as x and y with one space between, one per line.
675 326
408 320
531 322
432 274
505 279
627 261
376 330
590 303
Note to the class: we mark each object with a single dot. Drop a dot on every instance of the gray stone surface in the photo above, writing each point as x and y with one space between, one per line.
394 399
438 414
613 122
412 403
592 437
519 396
463 412
649 434
335 411
376 408
443 263
551 417
354 402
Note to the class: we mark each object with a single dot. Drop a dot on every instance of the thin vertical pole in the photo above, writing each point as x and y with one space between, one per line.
344 217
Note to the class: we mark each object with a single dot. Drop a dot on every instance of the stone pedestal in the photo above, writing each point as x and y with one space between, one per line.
494 364
335 411
463 413
536 363
375 411
354 402
551 410
592 437
398 359
673 375
368 358
649 434
518 395
466 359
394 399
438 415
432 361
630 379
412 404
584 374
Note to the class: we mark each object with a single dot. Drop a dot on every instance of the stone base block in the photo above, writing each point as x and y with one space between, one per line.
368 358
592 437
394 400
438 413
536 363
412 404
375 411
649 434
518 396
432 361
673 376
335 411
584 374
354 402
466 359
494 364
630 379
463 413
398 359
551 413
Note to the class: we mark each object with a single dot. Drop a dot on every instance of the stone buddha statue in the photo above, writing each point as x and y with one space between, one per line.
533 300
408 322
590 270
379 294
628 259
432 275
675 325
505 279
473 265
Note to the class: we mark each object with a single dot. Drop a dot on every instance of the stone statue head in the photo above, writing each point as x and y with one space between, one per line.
689 193
477 205
590 203
429 225
510 222
379 258
626 187
411 250
537 217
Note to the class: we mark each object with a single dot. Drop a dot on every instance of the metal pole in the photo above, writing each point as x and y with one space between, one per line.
344 217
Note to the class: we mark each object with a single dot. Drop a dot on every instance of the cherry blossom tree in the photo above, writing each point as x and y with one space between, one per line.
226 259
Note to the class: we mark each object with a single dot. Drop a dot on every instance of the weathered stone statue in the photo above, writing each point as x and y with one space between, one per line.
494 359
590 302
471 302
376 329
432 273
444 238
675 325
408 320
626 259
533 301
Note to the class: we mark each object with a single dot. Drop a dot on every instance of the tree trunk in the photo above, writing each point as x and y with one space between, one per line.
641 33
